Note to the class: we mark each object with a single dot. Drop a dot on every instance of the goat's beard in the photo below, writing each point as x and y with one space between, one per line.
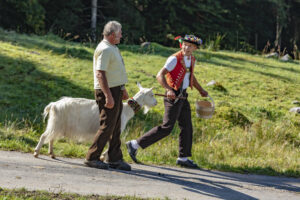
146 109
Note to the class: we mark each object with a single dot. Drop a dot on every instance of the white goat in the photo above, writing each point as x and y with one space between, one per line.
78 118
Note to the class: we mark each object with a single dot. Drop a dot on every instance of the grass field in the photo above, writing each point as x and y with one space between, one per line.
23 194
250 132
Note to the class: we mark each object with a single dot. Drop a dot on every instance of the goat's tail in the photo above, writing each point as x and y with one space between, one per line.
47 110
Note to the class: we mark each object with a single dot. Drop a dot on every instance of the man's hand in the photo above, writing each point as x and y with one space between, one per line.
109 102
125 95
171 94
203 93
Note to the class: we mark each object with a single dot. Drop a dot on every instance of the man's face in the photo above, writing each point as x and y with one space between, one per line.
117 37
188 48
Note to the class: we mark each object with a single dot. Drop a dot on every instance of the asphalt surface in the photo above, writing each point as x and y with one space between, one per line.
22 170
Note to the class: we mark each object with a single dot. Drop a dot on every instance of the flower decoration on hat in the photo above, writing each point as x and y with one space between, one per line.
189 38
179 38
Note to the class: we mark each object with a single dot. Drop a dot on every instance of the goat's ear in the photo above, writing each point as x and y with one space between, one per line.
151 88
139 85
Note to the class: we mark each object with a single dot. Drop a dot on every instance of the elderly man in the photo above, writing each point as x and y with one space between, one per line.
109 83
176 76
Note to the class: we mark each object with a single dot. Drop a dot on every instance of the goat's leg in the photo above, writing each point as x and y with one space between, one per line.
104 156
39 145
50 151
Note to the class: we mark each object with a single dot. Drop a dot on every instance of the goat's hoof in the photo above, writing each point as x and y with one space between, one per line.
102 158
35 154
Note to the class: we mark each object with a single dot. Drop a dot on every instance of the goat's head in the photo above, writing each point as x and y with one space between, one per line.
146 98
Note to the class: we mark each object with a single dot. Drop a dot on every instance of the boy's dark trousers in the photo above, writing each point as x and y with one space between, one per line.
179 111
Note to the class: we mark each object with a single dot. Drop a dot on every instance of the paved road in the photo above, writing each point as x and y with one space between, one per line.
70 175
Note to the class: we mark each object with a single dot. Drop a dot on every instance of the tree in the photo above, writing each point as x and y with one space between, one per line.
65 18
295 21
94 20
281 9
23 16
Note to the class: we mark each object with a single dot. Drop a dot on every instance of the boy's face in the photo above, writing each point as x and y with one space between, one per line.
188 48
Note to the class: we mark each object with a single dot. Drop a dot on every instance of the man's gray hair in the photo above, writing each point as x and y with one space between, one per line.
111 27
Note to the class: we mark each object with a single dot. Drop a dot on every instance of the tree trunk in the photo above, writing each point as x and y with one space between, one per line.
296 32
295 41
278 31
94 20
256 41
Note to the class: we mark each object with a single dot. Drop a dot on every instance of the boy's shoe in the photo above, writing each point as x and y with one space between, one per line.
188 163
96 164
132 151
121 165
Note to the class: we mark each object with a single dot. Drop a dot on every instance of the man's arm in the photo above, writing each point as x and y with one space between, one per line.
199 88
109 101
125 94
162 81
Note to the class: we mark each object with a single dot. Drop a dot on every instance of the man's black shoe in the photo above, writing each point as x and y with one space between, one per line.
96 164
121 165
188 163
132 151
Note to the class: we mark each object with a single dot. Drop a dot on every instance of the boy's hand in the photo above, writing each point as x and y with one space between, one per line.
203 93
171 94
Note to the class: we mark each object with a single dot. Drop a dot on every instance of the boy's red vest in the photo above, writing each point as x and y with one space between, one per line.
175 77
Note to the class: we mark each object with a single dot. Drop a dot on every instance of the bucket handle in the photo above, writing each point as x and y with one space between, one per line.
213 103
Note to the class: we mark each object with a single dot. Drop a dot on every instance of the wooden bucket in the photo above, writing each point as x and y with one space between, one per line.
205 109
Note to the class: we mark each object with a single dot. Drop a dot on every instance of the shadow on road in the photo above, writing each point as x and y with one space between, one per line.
210 183
282 183
196 183
58 160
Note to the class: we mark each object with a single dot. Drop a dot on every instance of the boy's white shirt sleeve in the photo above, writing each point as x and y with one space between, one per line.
170 63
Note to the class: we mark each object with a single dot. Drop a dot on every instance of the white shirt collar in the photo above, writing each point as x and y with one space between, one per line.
108 43
188 57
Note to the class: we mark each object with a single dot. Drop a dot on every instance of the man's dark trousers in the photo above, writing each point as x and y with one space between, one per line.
110 127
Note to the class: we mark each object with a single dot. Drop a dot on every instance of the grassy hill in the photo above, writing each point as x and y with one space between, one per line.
250 132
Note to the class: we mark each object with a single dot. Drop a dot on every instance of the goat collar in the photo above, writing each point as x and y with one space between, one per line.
134 105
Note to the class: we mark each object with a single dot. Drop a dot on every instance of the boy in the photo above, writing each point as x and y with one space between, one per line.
176 76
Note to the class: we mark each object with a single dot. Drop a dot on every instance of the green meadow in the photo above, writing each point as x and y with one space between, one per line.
252 130
23 194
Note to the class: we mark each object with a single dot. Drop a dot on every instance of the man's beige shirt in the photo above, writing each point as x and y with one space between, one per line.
107 58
